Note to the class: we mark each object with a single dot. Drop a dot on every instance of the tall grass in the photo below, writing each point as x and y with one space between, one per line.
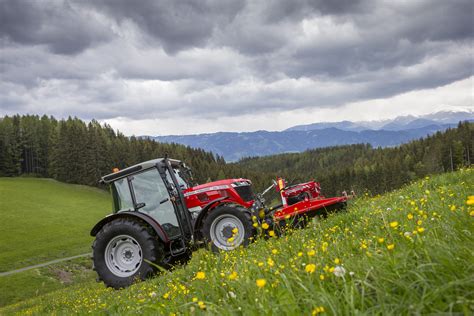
407 252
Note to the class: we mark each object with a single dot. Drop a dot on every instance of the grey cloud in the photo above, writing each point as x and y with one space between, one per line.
56 24
177 25
224 58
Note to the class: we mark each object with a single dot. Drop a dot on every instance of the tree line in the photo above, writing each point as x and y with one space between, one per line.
73 151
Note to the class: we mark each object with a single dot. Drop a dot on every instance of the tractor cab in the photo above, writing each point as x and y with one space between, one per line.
153 188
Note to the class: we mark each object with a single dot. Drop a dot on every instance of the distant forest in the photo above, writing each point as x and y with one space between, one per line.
77 152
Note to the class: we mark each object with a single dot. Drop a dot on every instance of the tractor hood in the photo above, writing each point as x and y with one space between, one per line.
217 185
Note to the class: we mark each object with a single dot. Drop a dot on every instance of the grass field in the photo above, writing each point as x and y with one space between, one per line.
43 220
407 252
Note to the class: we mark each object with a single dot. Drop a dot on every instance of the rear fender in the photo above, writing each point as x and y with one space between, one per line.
136 216
206 209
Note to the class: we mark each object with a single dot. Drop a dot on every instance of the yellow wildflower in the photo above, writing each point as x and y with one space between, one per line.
261 282
201 305
410 216
200 275
271 233
390 247
381 240
317 310
394 224
310 268
311 252
337 261
470 201
265 226
420 229
270 262
233 276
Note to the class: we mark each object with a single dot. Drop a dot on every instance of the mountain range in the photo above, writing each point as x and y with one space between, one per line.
234 146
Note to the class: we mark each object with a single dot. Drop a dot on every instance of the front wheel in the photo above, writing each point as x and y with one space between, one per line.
122 250
228 227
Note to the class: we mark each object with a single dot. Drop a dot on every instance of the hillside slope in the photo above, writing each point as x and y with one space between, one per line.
409 251
43 220
46 220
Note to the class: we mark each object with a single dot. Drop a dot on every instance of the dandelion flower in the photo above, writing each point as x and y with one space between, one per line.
271 233
265 226
311 252
390 247
410 216
200 275
420 229
270 262
337 261
233 275
394 224
339 271
381 240
310 268
261 282
317 310
470 201
201 305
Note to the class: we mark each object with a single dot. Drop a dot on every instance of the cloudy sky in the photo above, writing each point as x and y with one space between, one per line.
184 67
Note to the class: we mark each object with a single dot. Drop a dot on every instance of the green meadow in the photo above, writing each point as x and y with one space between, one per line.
406 252
43 220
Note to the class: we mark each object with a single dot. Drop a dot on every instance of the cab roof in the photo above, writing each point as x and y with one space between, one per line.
138 167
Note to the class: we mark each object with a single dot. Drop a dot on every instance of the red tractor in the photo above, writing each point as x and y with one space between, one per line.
159 217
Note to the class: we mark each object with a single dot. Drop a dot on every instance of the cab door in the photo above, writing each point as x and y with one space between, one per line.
152 198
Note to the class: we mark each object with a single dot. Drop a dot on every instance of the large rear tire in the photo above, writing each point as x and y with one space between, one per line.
228 227
122 250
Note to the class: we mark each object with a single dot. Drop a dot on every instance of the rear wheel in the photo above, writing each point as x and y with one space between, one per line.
228 227
122 250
